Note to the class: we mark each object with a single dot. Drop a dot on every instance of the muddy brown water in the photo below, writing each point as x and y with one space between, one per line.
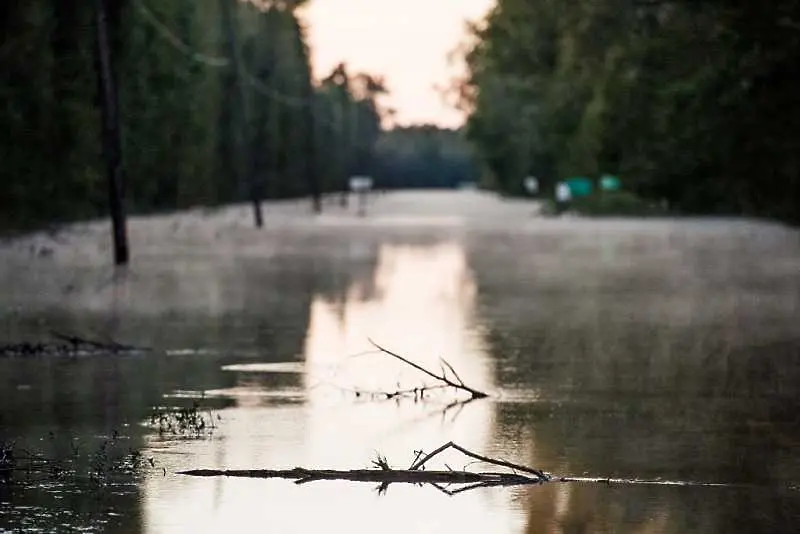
665 350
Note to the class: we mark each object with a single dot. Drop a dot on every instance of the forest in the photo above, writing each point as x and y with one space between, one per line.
694 103
424 156
181 110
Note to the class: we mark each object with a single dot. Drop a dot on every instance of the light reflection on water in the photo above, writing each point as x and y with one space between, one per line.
632 349
421 305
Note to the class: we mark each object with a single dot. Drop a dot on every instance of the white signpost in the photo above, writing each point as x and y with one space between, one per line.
531 185
361 185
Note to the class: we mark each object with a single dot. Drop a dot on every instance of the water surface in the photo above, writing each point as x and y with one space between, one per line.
659 349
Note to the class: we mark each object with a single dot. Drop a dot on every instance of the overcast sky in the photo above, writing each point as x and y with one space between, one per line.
407 41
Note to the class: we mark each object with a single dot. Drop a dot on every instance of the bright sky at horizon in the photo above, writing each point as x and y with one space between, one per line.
405 41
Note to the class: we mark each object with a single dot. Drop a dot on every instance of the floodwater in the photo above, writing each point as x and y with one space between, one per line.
661 350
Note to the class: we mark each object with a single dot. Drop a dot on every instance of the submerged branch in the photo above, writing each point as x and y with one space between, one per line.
69 346
111 345
385 474
419 462
459 385
302 475
417 393
450 482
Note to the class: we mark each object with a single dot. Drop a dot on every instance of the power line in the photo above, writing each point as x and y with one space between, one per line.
267 91
177 42
216 61
224 62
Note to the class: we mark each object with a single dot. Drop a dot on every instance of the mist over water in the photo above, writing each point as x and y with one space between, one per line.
658 349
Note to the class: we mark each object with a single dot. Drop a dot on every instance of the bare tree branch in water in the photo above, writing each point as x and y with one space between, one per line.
417 393
70 346
444 480
111 345
384 474
443 378
423 459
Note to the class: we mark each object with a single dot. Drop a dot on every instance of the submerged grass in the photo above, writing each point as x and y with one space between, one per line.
100 464
191 421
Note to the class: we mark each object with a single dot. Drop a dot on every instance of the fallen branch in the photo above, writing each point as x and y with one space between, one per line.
111 346
417 393
71 346
301 475
384 474
443 378
419 462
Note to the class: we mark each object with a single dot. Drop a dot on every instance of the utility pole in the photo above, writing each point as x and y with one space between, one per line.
343 120
112 147
229 30
312 167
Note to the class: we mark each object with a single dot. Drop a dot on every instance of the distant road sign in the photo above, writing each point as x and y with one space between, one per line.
563 192
531 185
579 186
359 184
609 182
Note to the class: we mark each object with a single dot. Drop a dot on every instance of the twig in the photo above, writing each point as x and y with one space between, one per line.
450 445
474 393
450 367
468 487
417 392
70 346
111 345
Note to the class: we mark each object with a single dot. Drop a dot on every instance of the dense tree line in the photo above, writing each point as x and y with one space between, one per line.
693 103
177 94
423 156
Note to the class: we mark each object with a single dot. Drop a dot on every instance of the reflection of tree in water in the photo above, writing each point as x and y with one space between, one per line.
419 302
206 313
644 364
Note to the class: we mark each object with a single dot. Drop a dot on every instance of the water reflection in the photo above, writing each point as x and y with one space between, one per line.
420 302
664 350
617 348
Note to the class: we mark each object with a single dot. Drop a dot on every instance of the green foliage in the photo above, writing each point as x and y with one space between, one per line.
615 203
177 90
48 126
423 156
168 106
349 125
694 101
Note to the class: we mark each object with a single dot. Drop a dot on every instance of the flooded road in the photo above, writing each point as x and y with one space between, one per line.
660 349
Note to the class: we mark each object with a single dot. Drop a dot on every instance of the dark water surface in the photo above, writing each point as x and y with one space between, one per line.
661 350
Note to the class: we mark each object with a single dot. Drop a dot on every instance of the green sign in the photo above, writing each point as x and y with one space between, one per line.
579 186
609 183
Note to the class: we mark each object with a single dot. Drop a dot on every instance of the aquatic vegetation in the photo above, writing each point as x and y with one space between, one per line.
98 463
189 421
